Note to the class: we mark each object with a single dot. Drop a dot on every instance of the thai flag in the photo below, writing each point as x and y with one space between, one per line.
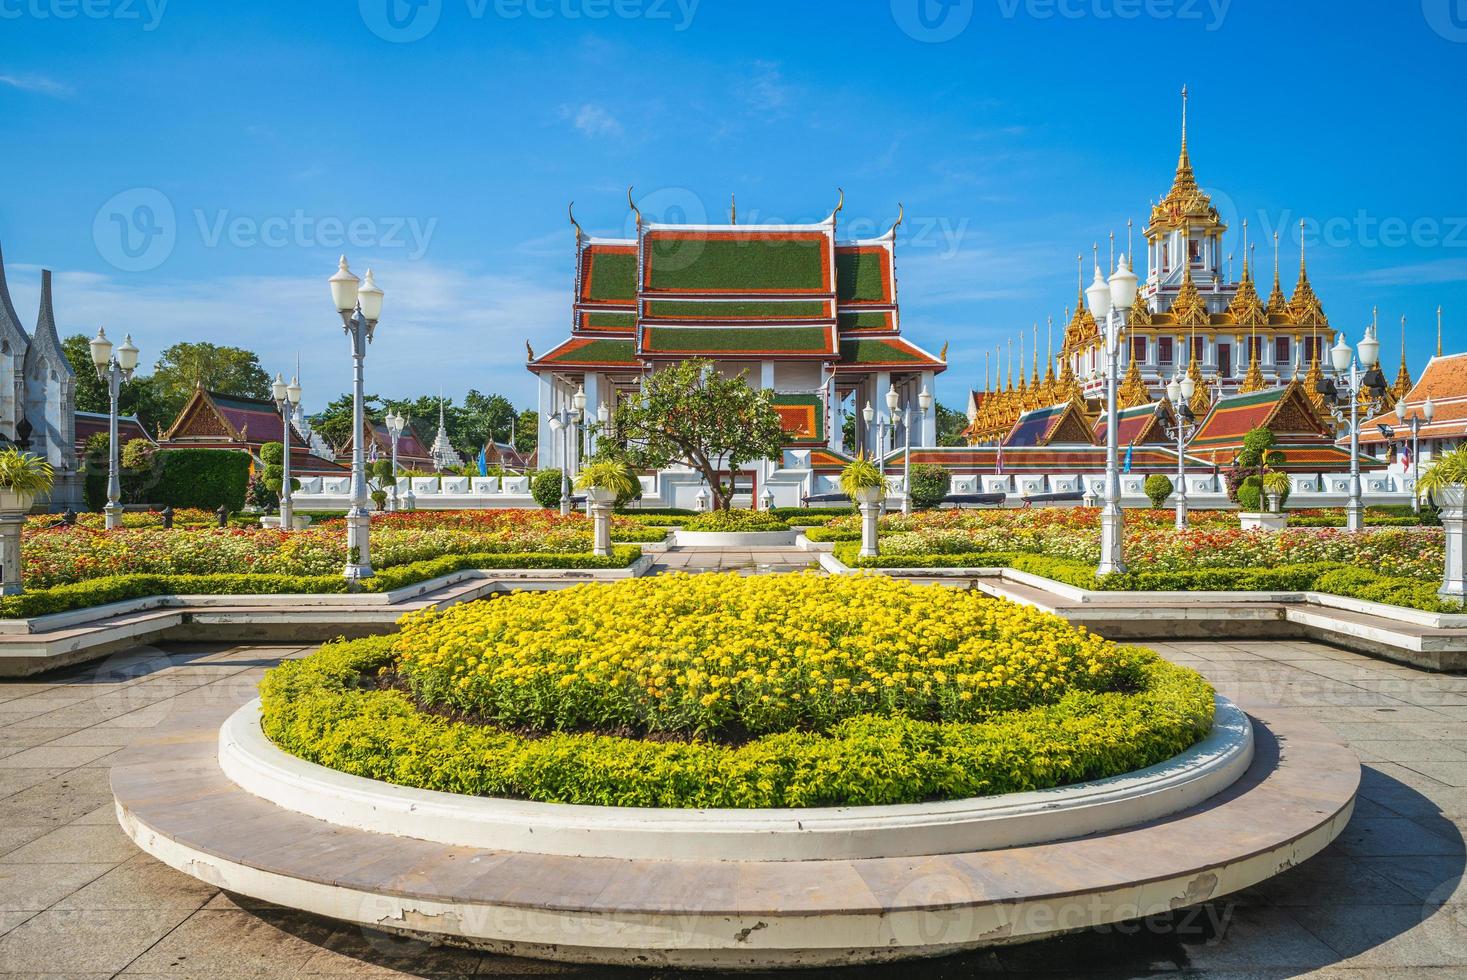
1405 457
998 461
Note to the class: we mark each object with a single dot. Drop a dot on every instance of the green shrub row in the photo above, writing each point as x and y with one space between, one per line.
797 515
1334 578
735 522
119 588
656 520
831 534
650 534
319 709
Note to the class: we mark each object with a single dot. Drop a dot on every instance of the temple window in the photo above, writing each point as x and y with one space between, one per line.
1224 360
1138 349
1164 350
1281 350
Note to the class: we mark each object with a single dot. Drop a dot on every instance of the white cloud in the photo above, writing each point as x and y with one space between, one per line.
39 84
765 89
1418 274
592 120
441 325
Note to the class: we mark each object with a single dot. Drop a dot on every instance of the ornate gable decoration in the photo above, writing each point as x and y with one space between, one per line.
1304 305
1246 308
201 418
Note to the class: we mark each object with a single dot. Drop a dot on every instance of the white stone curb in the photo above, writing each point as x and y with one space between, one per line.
253 762
732 539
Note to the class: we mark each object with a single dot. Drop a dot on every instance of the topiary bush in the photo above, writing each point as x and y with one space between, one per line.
545 488
1158 487
930 483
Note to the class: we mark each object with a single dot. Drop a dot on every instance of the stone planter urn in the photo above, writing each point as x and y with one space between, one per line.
1453 503
600 503
868 501
1267 520
13 508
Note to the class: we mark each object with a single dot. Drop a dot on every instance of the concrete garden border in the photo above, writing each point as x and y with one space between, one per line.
255 764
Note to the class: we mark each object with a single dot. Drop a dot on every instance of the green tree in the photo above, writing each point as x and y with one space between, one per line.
689 413
950 426
334 421
226 370
527 431
136 397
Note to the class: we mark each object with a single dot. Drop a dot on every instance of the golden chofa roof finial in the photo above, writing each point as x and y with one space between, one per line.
901 214
733 209
633 205
838 204
570 209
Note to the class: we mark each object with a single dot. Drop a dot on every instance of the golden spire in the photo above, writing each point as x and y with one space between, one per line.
987 376
1133 389
1188 307
1185 204
1246 308
1311 383
1201 395
1253 380
1277 305
1304 306
1010 386
1049 390
1039 393
1403 377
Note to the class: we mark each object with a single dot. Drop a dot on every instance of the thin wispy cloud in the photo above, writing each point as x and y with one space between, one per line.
765 88
39 84
428 336
1453 270
592 120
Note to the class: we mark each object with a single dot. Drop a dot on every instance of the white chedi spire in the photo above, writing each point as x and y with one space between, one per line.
444 456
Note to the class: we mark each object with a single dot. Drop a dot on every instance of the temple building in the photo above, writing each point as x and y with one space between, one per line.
210 420
1190 317
38 393
804 314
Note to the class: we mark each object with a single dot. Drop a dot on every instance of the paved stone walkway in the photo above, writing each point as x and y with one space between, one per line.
745 561
1386 900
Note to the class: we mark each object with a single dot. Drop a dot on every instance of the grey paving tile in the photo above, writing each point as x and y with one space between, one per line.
76 844
39 886
84 941
215 942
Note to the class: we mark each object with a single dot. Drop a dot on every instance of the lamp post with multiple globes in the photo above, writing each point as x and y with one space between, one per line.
567 420
1355 376
360 304
1415 422
1104 299
287 400
113 368
1179 392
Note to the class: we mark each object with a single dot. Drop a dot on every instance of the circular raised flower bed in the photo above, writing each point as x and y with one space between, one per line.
729 692
734 529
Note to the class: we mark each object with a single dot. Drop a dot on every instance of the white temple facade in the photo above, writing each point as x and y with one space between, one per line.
38 392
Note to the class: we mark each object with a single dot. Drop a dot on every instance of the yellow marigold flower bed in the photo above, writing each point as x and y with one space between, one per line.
711 654
722 691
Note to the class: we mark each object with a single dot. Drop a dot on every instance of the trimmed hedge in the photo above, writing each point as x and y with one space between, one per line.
735 522
323 709
1334 578
796 514
119 588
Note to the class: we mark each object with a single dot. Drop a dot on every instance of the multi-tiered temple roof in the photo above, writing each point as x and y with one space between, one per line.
736 292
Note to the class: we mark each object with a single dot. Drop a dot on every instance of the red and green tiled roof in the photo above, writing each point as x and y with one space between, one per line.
1040 459
884 351
608 320
803 416
874 321
593 352
1285 411
745 309
745 341
863 274
609 274
825 458
1054 423
1137 424
736 260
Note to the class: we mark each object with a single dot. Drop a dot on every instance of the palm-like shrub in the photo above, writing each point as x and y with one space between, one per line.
611 475
22 472
1447 470
861 474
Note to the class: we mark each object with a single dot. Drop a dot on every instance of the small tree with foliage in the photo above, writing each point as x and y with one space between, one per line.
545 488
929 485
1158 487
689 413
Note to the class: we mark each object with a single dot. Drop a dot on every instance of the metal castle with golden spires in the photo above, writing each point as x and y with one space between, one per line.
1190 318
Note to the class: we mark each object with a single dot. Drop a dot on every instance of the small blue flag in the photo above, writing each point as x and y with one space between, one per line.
1126 467
483 462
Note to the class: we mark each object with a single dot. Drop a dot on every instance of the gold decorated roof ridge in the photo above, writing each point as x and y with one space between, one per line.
1188 307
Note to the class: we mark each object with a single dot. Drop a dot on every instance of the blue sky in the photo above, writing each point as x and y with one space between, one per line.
238 146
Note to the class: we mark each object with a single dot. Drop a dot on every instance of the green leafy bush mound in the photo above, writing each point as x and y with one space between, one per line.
735 521
850 691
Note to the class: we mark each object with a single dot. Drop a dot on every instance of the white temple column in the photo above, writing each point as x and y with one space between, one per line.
878 403
594 398
929 424
544 434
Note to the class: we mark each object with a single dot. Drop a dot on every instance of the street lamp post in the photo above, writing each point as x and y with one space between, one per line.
287 399
395 424
1427 413
113 368
360 304
924 404
1104 299
1179 392
1343 396
567 420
